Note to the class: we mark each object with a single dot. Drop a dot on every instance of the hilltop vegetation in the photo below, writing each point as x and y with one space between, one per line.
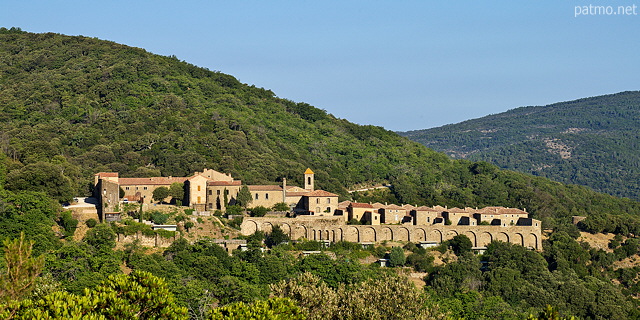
74 106
591 142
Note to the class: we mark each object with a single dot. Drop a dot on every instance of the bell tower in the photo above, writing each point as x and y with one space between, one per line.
308 180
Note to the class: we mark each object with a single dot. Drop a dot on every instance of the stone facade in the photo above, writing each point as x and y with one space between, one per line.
334 229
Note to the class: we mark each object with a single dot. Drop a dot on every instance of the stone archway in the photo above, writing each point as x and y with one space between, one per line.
435 235
451 234
472 236
385 234
402 234
501 236
419 234
519 239
352 234
368 235
484 239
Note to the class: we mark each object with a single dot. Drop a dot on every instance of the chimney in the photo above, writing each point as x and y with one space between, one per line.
284 190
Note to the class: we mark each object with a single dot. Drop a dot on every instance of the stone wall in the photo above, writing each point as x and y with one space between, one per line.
147 241
333 229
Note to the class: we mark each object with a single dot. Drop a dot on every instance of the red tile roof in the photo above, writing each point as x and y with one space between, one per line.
151 181
107 174
265 188
224 183
296 194
361 205
320 193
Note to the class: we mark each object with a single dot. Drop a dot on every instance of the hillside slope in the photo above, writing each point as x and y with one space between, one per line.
73 106
592 142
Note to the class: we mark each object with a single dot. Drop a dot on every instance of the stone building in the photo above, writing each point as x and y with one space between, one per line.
211 190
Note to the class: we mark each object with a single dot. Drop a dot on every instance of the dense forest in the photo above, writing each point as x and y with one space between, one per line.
74 106
590 142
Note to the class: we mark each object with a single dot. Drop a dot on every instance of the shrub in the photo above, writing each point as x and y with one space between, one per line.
259 211
158 217
91 223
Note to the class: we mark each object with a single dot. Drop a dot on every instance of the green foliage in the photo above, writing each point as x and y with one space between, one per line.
235 222
22 269
102 237
68 223
160 193
274 308
44 177
599 136
188 225
259 211
383 297
281 206
136 296
176 191
397 257
91 223
460 244
244 197
276 237
158 217
234 210
146 115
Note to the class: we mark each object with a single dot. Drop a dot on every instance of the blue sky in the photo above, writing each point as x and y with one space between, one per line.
402 65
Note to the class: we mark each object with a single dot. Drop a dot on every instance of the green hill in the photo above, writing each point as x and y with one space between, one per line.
74 106
591 142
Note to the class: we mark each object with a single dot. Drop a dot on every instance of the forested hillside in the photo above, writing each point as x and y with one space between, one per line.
591 142
74 106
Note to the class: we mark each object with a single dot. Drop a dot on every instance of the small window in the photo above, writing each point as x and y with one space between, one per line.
136 188
328 209
199 200
256 196
266 196
210 192
198 188
328 200
145 188
126 188
218 191
318 200
210 206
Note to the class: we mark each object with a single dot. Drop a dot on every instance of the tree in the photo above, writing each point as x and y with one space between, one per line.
396 257
22 269
281 206
273 309
176 191
41 176
460 244
276 237
259 211
244 197
160 193
101 237
138 295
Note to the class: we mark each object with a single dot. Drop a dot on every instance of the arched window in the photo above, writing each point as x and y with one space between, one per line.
198 188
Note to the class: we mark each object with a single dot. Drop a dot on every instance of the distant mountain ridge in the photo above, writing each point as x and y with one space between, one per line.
593 142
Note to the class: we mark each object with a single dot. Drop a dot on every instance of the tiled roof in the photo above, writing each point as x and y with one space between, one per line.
224 183
265 188
320 193
425 208
308 171
456 210
151 181
107 174
394 207
361 205
296 194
